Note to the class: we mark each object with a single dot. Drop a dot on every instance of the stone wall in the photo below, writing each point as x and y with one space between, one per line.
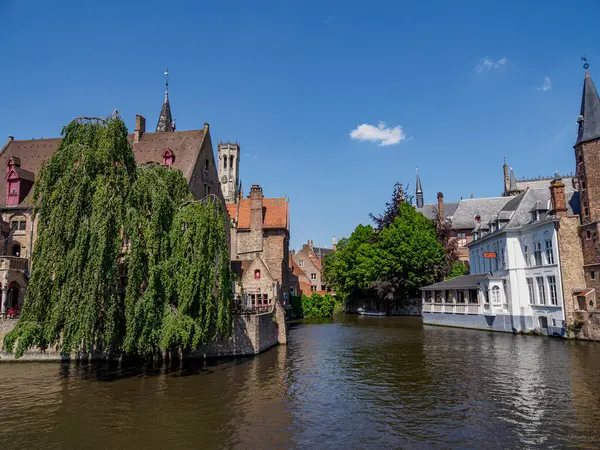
412 308
590 325
252 334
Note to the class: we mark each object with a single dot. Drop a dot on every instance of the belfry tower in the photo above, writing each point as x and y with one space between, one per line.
229 170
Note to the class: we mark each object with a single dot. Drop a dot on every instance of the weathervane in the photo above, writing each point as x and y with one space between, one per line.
585 63
167 77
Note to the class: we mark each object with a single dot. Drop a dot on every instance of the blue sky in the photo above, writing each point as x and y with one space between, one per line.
291 80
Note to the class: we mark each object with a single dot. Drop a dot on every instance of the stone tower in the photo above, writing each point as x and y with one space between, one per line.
229 170
587 151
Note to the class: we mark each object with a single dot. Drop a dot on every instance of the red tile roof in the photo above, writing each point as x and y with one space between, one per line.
185 145
275 213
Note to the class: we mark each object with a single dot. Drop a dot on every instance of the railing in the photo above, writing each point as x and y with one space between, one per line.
452 308
13 262
254 309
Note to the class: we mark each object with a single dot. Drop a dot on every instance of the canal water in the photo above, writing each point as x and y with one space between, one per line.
349 383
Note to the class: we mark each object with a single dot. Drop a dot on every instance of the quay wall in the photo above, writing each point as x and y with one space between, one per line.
500 322
412 308
252 334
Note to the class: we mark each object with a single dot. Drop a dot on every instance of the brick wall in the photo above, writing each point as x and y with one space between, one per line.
571 263
588 170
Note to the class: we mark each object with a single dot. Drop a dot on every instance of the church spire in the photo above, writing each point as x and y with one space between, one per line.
419 192
513 182
165 121
589 116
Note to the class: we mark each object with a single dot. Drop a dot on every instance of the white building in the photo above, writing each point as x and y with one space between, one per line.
515 281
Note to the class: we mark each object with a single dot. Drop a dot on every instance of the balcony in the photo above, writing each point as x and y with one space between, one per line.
452 308
13 263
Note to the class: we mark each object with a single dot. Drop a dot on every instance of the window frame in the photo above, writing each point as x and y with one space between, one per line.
531 290
553 290
549 251
541 288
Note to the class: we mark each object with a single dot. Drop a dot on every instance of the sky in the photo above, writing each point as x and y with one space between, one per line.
332 102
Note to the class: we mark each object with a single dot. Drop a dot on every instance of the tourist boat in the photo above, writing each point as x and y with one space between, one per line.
364 312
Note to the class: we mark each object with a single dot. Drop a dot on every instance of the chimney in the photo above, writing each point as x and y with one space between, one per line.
472 196
441 215
256 208
506 181
140 128
557 195
310 243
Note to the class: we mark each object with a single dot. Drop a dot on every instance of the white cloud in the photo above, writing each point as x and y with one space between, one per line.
487 64
546 85
380 133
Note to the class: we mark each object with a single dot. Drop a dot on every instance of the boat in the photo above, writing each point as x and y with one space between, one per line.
364 312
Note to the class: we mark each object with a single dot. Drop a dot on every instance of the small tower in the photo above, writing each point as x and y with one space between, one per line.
229 170
512 186
419 192
165 121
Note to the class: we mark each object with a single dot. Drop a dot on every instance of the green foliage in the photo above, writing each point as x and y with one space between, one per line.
458 269
89 200
391 264
296 304
318 306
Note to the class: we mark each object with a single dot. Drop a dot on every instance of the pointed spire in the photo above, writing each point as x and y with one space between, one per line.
589 116
513 182
165 121
419 191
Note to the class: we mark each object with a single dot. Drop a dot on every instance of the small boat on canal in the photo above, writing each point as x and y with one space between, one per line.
364 312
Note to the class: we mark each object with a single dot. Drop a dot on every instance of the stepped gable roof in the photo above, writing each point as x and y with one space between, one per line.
185 145
430 210
485 208
589 120
275 213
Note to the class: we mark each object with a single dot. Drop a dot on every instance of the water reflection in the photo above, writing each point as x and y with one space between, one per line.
349 383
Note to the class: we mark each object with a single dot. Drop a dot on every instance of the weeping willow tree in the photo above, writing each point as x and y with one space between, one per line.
101 220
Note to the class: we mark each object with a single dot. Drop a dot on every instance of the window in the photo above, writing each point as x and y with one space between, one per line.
257 274
543 321
541 290
534 216
549 252
206 190
16 250
592 275
477 218
502 258
448 297
473 296
323 287
313 276
588 234
206 165
527 260
582 185
530 289
313 288
15 225
586 211
292 290
553 294
496 295
461 239
537 253
301 263
461 297
225 162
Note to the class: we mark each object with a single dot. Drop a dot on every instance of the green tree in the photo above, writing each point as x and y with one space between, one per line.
318 306
458 269
90 201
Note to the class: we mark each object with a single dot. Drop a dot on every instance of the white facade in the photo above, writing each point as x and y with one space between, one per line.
229 170
527 268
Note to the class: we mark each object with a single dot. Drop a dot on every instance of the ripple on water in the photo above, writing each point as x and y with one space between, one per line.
380 383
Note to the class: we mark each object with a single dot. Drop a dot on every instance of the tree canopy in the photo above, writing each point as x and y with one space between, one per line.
390 264
103 223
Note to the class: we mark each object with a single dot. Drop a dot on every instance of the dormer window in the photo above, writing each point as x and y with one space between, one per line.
257 274
18 182
534 216
168 157
477 218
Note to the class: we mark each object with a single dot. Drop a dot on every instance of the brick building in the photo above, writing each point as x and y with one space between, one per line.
309 260
188 151
260 237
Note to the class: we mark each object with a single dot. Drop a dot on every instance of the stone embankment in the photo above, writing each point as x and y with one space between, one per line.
412 308
252 334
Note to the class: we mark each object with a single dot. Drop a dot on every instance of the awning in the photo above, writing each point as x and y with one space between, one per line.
583 292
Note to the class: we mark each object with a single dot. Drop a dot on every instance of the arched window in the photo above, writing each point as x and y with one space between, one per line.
16 250
257 274
225 162
496 295
168 157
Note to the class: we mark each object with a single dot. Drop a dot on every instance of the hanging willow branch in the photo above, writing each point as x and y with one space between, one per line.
90 199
